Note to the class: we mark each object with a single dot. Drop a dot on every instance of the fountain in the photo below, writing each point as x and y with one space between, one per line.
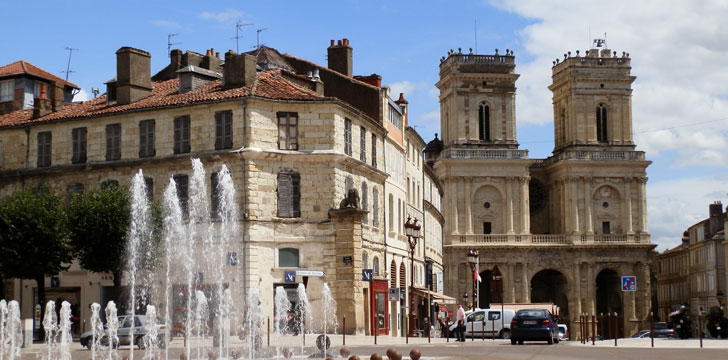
3 320
201 315
97 328
112 331
254 319
64 329
303 308
150 338
13 331
50 326
282 305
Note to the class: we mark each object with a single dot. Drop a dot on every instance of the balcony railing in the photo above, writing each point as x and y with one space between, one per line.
599 155
504 154
550 239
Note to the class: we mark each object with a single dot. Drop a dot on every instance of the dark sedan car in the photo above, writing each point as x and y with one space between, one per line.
534 325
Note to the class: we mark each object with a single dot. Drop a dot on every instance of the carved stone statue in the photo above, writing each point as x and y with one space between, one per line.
351 201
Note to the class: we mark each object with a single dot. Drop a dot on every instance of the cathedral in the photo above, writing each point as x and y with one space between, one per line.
570 229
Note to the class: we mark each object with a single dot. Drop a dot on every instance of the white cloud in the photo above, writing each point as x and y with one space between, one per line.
674 205
225 16
166 24
406 87
82 95
678 51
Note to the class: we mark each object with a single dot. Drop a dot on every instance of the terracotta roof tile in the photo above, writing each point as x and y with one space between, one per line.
269 85
22 67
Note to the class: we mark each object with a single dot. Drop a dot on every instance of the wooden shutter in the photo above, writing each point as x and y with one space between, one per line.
228 129
214 194
284 195
219 128
295 195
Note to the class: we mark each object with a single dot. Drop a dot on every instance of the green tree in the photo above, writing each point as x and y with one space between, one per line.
98 222
33 237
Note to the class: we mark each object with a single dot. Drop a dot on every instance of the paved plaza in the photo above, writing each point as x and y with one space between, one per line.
438 348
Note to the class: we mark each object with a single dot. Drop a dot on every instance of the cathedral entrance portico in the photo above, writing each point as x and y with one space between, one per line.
553 287
609 299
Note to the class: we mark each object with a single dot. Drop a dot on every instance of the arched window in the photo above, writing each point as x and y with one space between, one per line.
484 122
288 258
375 265
365 201
391 213
393 275
364 260
602 123
402 276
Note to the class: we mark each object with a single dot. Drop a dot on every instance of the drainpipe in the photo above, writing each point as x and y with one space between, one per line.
244 191
27 154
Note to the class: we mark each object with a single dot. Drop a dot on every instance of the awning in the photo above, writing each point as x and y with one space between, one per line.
437 297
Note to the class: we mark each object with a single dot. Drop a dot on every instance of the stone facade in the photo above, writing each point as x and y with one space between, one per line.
562 229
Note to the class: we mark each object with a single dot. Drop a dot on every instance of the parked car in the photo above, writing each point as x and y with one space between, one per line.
563 332
486 322
659 333
124 333
534 325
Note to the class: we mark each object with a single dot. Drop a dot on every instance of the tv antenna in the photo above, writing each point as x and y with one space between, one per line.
68 67
170 43
239 26
257 37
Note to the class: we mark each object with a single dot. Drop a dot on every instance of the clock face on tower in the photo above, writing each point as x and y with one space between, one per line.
538 196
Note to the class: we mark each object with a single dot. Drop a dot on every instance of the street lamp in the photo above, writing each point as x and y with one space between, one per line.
412 231
473 261
719 295
497 285
465 298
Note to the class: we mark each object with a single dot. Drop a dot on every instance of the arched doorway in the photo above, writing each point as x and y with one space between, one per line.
484 293
551 286
609 301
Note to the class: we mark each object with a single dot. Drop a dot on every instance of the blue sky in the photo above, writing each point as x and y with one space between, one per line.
678 51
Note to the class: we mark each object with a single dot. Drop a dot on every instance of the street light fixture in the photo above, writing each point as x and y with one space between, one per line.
719 295
412 231
473 256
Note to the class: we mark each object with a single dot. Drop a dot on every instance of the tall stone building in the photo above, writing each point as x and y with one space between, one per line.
296 137
562 229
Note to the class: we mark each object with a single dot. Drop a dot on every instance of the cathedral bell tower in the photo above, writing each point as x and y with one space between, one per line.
592 101
478 100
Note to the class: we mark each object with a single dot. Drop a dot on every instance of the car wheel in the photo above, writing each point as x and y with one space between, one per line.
140 342
513 341
505 334
550 341
520 342
556 340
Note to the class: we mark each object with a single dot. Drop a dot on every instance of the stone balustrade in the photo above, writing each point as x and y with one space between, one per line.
505 154
598 155
549 239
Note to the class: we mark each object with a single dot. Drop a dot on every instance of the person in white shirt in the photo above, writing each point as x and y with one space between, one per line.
460 318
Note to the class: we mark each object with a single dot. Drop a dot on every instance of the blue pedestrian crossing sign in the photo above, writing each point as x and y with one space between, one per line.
629 283
289 276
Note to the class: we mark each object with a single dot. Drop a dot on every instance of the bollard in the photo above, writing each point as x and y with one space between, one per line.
616 334
429 331
447 330
652 330
376 329
581 328
472 331
269 331
483 328
343 333
406 331
700 329
594 328
492 329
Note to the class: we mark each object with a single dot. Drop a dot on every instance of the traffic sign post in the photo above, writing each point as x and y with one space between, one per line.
366 275
629 283
290 277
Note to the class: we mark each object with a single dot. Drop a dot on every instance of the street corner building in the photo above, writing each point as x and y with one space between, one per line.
564 229
325 167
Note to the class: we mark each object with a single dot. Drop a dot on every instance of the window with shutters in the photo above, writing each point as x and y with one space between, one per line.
288 258
289 195
374 150
347 137
364 260
363 144
348 185
110 184
375 206
113 142
183 184
146 138
602 123
214 195
224 130
7 90
402 276
44 149
365 202
287 130
484 122
182 135
393 275
78 140
73 190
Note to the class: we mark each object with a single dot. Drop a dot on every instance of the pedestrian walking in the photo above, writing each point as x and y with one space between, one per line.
460 318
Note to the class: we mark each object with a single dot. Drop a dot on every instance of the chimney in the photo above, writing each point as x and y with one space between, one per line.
373 79
175 59
133 79
402 102
239 70
58 95
715 219
340 57
210 62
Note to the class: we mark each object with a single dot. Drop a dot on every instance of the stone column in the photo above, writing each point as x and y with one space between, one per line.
588 206
345 279
526 297
643 204
509 205
453 206
525 211
628 204
511 291
468 207
591 290
574 205
575 309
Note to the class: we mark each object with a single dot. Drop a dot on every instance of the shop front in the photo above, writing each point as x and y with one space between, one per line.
379 307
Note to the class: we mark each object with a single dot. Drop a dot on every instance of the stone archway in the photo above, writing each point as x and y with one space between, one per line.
609 299
485 297
551 286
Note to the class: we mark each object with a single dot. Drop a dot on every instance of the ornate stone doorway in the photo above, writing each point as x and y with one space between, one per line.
551 286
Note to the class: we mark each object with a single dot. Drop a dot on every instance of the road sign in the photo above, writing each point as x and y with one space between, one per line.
318 273
366 275
629 283
232 258
289 276
55 281
393 294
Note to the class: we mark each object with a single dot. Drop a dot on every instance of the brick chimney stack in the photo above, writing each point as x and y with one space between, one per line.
133 75
239 70
340 57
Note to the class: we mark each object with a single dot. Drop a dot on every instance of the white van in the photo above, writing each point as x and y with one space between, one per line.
487 322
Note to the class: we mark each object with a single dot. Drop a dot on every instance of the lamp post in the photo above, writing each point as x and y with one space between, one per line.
497 285
719 295
412 230
473 261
